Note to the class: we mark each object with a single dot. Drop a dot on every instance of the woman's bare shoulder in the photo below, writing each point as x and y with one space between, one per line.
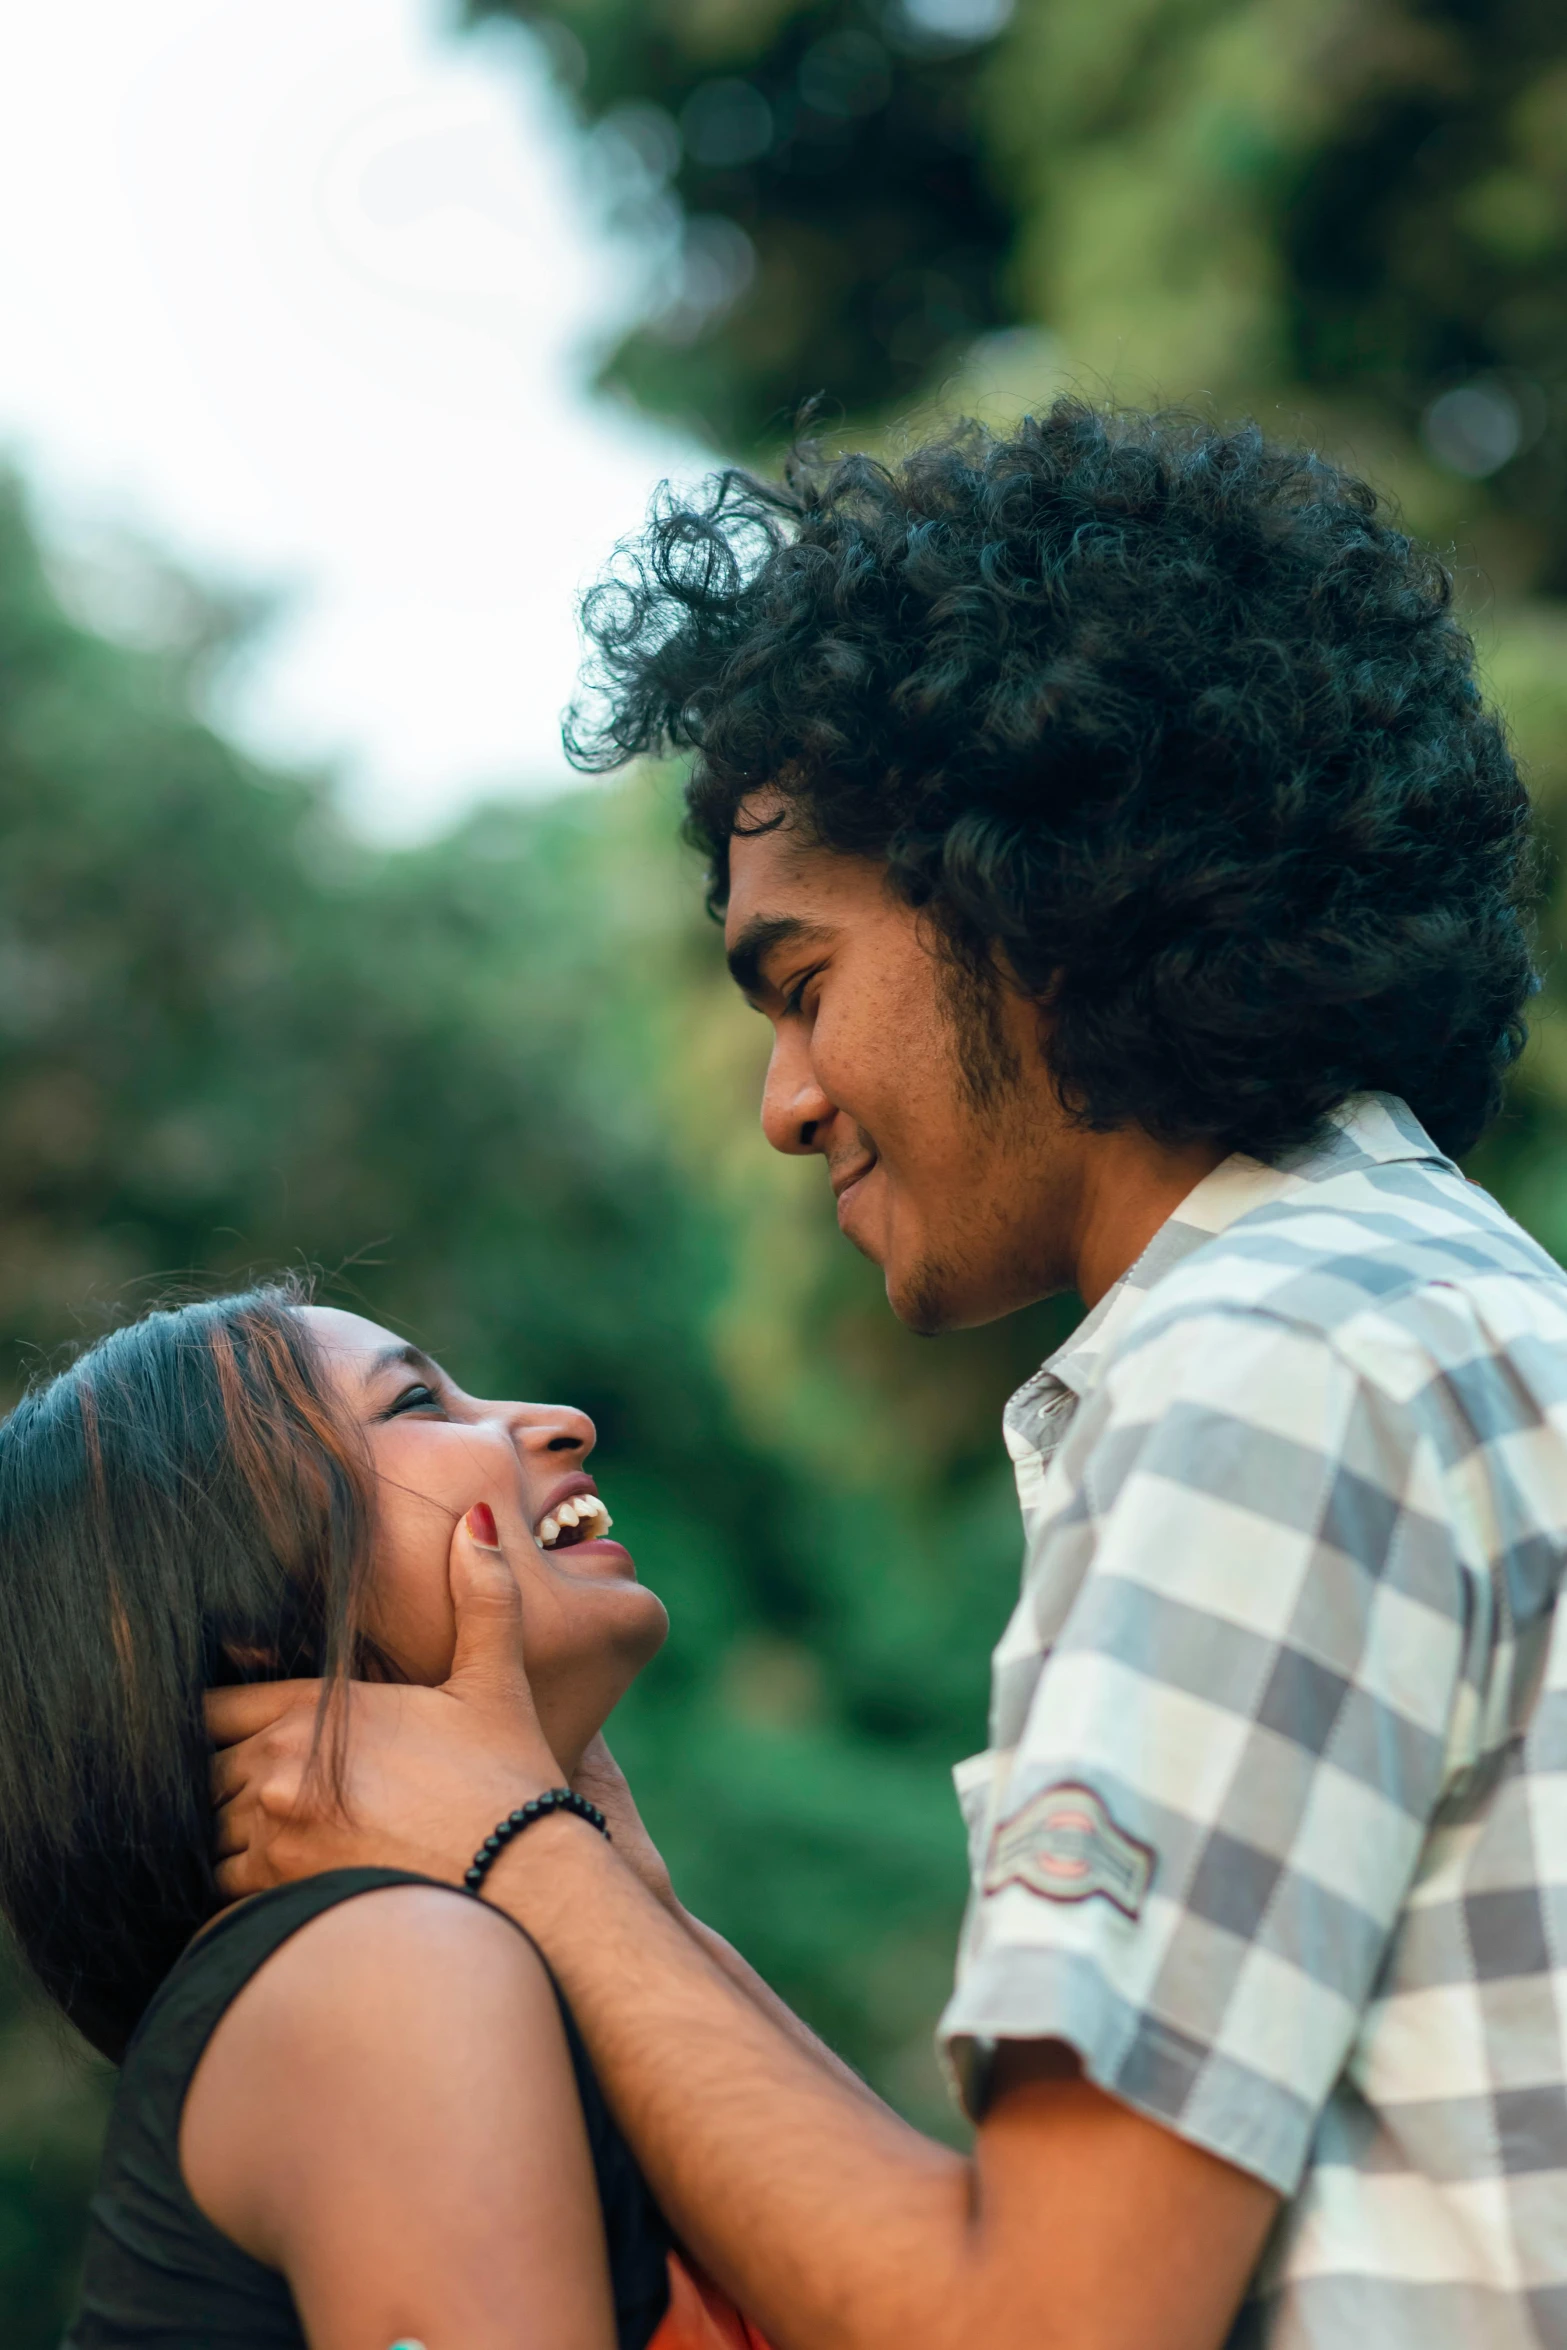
402 1975
381 1953
404 2000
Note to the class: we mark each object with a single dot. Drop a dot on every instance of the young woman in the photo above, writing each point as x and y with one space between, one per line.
352 2113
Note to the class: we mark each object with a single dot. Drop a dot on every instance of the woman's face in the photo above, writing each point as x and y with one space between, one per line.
588 1625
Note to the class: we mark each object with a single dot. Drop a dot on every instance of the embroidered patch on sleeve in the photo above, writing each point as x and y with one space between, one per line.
1064 1845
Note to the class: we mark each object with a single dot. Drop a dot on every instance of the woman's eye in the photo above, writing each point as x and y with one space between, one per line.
417 1398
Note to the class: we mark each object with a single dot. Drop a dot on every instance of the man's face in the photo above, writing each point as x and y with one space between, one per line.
963 1202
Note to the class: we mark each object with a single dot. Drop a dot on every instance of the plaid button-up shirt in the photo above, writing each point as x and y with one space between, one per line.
1272 1828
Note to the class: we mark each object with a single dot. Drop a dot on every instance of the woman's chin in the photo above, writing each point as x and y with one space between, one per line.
642 1629
626 1615
575 1700
608 1624
600 1561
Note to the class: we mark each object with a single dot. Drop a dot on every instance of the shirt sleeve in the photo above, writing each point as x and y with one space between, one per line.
1192 1862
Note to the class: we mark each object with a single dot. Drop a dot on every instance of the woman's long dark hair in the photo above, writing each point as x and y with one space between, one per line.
184 1506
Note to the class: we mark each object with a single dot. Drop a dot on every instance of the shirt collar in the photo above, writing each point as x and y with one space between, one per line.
1371 1129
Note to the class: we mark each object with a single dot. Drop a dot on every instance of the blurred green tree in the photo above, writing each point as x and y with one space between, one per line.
1360 211
813 179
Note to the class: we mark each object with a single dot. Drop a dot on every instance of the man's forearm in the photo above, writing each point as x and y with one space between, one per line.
1079 2225
745 1979
835 2225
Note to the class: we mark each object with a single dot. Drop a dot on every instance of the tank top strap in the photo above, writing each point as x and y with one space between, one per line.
209 1976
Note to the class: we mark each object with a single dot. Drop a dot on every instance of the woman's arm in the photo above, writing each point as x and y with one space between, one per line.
387 2114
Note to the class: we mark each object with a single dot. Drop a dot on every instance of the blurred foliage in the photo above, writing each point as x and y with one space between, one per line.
498 1089
1348 215
835 221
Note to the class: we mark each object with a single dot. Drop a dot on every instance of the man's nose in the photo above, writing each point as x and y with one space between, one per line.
794 1107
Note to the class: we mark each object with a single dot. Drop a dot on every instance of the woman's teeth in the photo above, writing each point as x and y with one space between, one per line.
585 1517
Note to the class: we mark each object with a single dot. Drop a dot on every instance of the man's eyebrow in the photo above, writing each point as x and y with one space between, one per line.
757 940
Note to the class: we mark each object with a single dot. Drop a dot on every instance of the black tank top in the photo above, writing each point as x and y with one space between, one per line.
158 2275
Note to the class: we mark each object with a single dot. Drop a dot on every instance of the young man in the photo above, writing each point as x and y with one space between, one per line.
1107 821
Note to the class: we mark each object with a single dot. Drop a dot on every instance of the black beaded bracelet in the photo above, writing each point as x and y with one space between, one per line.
553 1799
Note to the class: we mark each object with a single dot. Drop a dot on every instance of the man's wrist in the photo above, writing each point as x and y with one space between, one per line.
529 1877
526 1815
488 1802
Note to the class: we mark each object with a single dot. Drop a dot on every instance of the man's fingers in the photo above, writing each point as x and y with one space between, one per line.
275 1759
236 1879
228 1838
233 1770
233 1714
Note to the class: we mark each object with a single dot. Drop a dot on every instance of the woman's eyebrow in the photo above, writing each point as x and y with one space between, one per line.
412 1358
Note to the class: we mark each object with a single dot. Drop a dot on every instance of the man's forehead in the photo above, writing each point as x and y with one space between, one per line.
782 871
788 894
776 866
776 904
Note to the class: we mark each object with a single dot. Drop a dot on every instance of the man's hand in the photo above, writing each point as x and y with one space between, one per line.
425 1775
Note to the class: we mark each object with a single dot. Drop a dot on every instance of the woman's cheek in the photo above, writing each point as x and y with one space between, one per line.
416 1628
410 1613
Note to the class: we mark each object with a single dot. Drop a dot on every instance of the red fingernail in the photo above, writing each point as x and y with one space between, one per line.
481 1525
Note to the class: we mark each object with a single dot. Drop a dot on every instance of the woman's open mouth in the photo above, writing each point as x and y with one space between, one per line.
581 1519
577 1521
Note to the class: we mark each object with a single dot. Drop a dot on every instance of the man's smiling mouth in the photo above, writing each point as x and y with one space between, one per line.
846 1184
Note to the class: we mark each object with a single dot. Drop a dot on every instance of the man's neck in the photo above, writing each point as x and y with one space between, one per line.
1130 1186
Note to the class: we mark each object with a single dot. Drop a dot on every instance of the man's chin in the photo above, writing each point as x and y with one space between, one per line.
930 1297
921 1299
927 1296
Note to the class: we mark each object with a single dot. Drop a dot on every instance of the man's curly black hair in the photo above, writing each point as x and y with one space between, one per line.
1171 722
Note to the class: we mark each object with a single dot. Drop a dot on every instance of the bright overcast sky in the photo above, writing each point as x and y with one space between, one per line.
302 291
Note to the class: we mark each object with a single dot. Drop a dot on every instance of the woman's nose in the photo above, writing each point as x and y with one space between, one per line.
553 1428
794 1106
